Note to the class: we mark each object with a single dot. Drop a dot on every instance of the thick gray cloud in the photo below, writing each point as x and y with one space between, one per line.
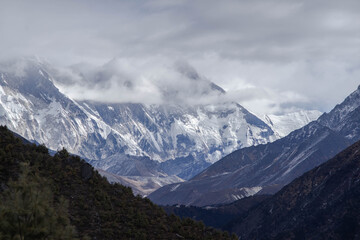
272 56
121 80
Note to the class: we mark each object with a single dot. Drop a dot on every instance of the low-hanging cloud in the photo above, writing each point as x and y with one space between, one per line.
121 80
179 83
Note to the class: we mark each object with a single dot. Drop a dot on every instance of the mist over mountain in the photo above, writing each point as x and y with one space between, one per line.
120 81
206 105
176 138
129 139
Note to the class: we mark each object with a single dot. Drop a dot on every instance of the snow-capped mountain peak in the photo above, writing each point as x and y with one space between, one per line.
181 139
286 123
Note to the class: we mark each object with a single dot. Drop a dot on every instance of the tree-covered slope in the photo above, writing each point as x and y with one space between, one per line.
96 209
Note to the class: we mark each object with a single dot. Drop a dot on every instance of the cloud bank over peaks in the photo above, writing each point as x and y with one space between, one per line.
145 81
158 81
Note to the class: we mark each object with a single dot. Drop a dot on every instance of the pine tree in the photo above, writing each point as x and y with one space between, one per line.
28 210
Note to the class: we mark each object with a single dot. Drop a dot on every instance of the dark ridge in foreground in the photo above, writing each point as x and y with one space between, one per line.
324 203
96 208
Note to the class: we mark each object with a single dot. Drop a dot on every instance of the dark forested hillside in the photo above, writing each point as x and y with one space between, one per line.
95 208
324 203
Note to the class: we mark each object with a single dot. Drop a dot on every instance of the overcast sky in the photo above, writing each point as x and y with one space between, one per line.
272 56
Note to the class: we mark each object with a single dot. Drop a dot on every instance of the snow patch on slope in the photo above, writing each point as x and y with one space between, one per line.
245 192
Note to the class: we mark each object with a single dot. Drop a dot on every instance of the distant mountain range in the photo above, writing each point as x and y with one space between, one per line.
149 146
267 168
129 139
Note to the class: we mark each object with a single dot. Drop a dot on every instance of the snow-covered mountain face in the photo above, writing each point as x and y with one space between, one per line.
282 125
32 106
165 132
182 139
267 168
163 139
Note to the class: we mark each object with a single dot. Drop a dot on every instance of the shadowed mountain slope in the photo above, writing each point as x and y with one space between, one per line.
324 203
